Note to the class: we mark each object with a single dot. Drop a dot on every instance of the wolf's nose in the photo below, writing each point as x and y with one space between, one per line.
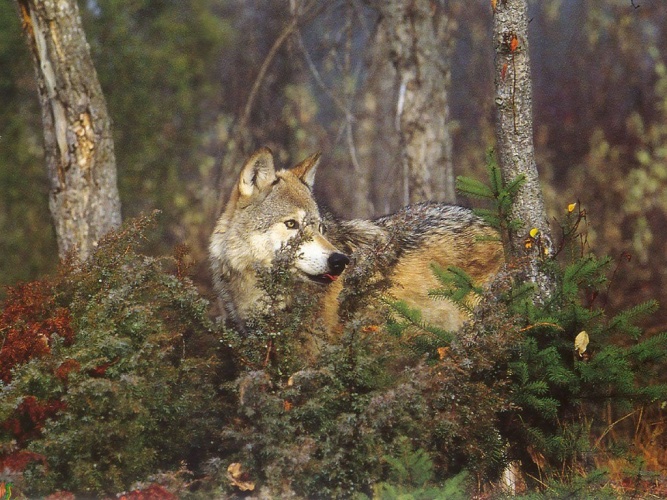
337 262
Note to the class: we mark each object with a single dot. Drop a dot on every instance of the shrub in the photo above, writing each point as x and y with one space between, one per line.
574 361
333 425
123 383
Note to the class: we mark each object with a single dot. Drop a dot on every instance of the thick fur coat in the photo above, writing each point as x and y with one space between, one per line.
268 208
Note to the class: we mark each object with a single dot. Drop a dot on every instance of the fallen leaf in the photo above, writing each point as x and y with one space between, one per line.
239 478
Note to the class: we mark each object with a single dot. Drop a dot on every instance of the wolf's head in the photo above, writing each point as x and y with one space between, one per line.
267 210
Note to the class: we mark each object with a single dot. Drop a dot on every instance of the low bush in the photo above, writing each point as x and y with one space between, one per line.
109 372
115 379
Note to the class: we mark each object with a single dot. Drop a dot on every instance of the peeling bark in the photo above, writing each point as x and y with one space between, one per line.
78 145
417 36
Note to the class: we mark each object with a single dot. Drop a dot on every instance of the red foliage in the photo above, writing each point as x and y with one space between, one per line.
61 495
67 367
101 370
153 492
30 417
17 461
29 320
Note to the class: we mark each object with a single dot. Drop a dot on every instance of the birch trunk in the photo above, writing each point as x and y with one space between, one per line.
514 131
78 146
417 35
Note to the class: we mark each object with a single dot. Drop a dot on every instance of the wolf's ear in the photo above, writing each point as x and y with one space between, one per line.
307 168
258 172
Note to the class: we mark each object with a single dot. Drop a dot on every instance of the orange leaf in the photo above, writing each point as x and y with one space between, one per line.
514 43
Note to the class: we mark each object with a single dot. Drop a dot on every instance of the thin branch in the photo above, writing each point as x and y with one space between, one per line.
284 35
349 117
351 146
320 81
611 426
239 127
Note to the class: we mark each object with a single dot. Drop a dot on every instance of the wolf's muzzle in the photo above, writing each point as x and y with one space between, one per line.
337 262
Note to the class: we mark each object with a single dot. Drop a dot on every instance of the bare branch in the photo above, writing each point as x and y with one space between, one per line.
284 35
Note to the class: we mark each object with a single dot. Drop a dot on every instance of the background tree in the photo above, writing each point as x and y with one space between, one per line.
377 136
170 128
514 131
417 40
78 145
28 244
176 75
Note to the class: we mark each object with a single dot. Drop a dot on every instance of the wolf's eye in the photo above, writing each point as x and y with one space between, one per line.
322 228
291 224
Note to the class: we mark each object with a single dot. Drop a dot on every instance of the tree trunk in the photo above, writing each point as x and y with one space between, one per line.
377 138
417 36
514 132
78 145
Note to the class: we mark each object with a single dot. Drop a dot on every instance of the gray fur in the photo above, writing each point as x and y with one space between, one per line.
252 229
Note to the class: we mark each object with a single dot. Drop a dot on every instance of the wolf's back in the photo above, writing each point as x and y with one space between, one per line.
403 247
415 225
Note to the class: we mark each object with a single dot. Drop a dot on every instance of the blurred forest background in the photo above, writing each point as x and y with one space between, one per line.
192 89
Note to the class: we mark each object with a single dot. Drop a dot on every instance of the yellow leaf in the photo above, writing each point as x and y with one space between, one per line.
581 342
571 207
239 478
534 232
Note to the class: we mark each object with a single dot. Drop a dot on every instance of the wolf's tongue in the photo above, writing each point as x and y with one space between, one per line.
332 277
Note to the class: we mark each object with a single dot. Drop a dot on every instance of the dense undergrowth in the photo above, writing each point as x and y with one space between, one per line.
114 379
109 373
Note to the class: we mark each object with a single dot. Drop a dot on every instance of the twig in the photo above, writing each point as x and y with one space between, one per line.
239 126
611 426
349 117
269 350
320 81
287 31
262 72
352 147
536 325
544 485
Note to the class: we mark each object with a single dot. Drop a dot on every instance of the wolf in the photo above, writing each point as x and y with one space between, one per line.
270 208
